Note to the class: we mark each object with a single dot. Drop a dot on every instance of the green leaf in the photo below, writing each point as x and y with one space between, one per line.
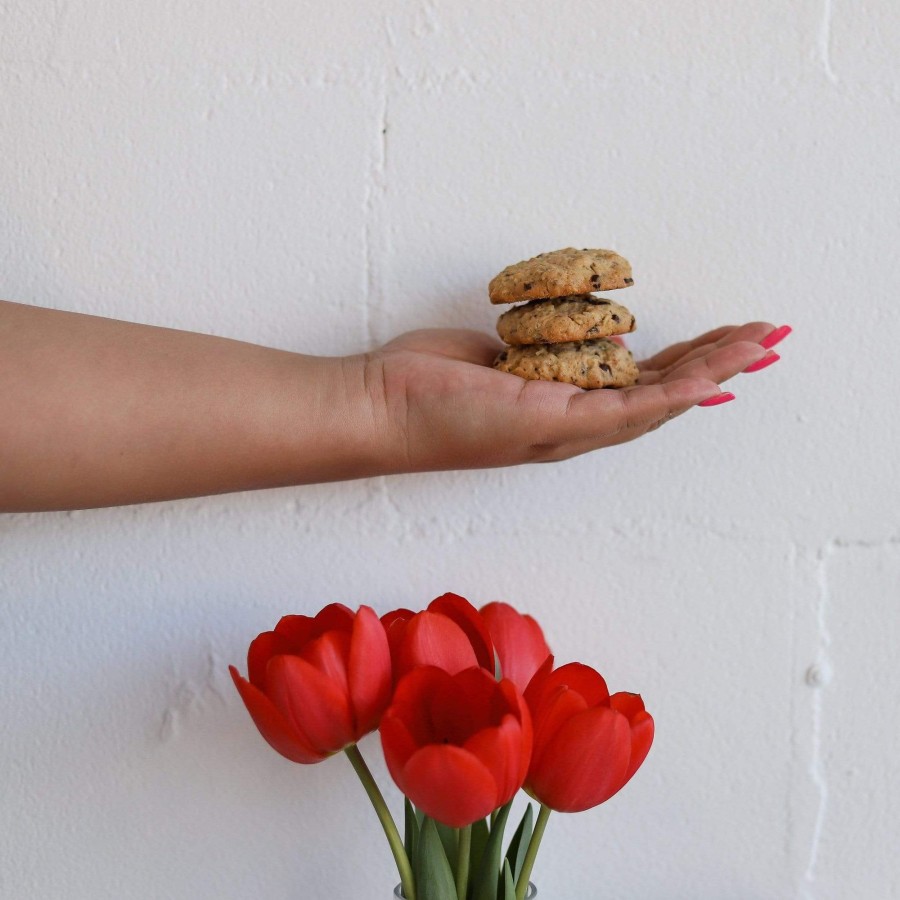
509 883
450 839
487 879
480 834
518 846
410 829
434 877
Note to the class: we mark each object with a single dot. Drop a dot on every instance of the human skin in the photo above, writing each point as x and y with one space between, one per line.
99 412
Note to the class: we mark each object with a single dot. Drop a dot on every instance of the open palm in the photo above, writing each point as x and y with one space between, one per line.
451 410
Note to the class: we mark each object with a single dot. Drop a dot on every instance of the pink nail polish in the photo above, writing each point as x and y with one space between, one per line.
724 397
763 363
774 337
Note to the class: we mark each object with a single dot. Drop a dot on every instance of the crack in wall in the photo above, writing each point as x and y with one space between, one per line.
373 226
426 23
373 201
818 675
189 696
794 737
824 41
376 247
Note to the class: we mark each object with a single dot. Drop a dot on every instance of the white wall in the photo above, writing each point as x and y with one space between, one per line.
322 176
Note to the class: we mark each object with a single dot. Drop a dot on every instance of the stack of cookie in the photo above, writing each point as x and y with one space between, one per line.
562 332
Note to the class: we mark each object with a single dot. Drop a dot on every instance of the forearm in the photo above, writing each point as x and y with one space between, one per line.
97 412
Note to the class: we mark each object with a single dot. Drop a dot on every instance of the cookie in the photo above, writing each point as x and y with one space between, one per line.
561 274
578 318
587 364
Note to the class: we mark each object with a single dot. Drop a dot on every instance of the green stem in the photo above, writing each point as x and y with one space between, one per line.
531 854
462 862
387 822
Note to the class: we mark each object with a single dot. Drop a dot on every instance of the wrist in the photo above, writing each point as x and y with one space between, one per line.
337 425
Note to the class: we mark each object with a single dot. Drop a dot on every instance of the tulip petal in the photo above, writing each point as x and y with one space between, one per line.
390 619
578 677
334 617
314 704
328 655
395 627
435 640
464 703
584 763
520 710
449 784
295 630
272 725
554 712
504 751
262 649
627 704
298 630
518 640
460 611
368 670
397 743
542 673
642 729
411 701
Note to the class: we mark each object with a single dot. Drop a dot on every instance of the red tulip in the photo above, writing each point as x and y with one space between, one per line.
518 640
587 745
450 634
457 745
318 684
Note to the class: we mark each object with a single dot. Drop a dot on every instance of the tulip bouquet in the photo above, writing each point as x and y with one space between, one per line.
471 708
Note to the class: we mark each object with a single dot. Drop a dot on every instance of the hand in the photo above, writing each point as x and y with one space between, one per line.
446 408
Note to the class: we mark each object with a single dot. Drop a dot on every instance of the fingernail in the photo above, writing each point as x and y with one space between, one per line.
767 360
724 397
773 337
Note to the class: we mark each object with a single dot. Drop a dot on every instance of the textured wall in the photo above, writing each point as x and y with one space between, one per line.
320 176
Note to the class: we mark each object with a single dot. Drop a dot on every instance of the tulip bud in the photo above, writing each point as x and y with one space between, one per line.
587 745
456 745
318 684
449 634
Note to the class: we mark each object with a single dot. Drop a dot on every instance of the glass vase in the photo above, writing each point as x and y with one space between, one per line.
530 894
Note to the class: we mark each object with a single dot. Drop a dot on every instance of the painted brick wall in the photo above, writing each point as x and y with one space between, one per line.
320 177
